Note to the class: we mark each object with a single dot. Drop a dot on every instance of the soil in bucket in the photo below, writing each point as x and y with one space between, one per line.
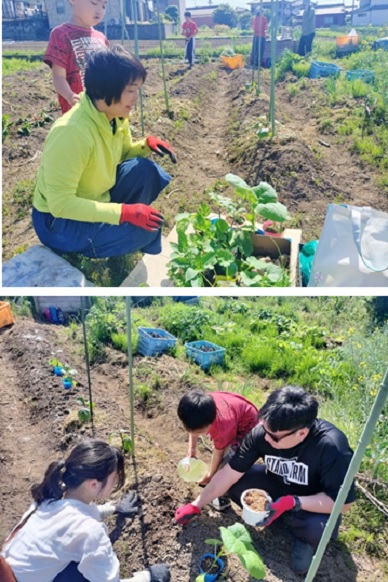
256 500
209 566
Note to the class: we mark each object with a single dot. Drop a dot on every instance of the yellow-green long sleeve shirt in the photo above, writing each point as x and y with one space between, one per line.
79 162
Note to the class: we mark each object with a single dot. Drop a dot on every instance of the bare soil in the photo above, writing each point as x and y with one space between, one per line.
39 423
211 126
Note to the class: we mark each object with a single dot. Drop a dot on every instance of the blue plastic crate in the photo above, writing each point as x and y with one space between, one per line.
363 74
320 69
152 346
205 359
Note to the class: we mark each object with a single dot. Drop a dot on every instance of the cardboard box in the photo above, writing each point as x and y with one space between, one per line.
273 247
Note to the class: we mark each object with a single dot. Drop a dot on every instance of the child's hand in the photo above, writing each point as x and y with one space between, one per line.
74 99
207 478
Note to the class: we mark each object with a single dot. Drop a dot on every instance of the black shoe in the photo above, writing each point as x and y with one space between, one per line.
220 503
301 557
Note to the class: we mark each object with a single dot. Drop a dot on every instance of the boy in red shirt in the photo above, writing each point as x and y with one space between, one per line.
69 46
225 417
189 29
259 25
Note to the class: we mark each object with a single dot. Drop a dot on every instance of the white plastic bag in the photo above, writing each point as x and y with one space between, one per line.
39 266
352 249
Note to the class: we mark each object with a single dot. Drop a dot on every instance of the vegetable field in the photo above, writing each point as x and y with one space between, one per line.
330 144
334 347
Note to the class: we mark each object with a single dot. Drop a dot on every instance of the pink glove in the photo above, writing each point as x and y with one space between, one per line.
161 147
141 215
276 509
186 512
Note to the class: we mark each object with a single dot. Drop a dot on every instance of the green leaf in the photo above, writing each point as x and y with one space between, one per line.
253 563
242 239
250 279
225 258
265 193
213 542
236 181
191 274
84 415
237 531
273 211
200 578
222 226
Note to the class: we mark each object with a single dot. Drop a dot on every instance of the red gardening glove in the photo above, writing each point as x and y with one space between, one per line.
141 215
276 509
186 512
161 147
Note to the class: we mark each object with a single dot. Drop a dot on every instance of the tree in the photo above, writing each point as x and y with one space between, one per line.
225 14
173 13
245 20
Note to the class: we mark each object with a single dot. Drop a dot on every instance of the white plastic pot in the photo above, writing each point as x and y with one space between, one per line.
250 516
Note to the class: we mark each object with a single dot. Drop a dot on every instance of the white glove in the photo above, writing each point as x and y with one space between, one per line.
106 509
144 576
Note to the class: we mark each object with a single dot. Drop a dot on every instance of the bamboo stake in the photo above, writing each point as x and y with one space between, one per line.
128 303
162 58
87 364
351 472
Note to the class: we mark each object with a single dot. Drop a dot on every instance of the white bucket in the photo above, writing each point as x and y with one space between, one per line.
250 516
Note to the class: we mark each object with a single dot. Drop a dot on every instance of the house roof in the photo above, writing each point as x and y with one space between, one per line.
372 8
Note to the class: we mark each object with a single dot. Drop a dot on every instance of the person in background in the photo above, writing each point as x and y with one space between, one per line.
308 30
260 26
189 30
95 186
68 48
305 460
61 538
226 418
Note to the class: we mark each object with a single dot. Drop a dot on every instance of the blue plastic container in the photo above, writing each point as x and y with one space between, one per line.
363 74
220 564
205 359
67 384
320 69
59 371
151 346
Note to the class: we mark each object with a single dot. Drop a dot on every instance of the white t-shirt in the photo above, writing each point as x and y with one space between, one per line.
60 532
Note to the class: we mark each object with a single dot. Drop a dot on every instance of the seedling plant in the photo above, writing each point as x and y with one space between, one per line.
84 413
126 441
236 540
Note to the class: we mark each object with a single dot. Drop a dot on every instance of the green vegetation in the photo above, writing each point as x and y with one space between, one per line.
16 65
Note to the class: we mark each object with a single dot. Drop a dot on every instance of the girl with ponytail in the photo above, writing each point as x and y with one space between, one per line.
61 538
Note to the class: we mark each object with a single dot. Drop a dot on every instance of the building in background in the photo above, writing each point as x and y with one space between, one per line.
371 12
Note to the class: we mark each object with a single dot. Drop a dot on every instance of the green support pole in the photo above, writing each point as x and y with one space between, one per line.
259 55
87 364
162 57
274 21
351 473
136 43
128 303
122 21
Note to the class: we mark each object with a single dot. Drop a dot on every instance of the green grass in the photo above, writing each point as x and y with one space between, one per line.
12 66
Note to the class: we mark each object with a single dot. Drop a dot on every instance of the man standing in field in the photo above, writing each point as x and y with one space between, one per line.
189 29
308 30
259 25
305 460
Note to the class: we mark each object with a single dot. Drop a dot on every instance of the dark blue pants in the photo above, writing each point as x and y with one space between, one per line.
190 48
257 40
305 525
306 44
137 180
70 574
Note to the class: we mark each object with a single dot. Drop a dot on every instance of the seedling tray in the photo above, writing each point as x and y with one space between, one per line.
205 359
152 346
320 69
363 74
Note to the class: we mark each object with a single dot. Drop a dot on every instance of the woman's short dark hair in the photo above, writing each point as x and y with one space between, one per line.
188 14
197 410
109 70
289 408
91 459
